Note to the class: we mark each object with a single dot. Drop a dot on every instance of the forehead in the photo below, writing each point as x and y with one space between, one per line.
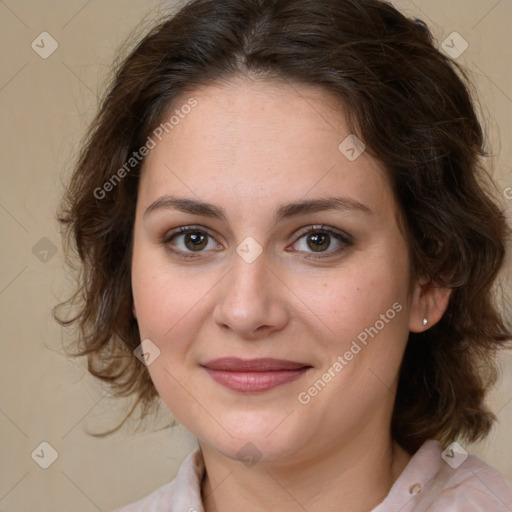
264 142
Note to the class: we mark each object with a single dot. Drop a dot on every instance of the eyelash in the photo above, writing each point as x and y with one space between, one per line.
345 239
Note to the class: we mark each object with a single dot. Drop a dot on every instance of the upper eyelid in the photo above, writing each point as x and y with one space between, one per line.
181 230
322 227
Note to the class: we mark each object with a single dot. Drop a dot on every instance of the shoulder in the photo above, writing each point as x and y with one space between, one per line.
448 480
472 485
182 494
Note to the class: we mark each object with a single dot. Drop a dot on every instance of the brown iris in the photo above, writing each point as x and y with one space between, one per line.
196 240
318 241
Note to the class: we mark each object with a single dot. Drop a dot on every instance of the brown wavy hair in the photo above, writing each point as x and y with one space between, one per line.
413 108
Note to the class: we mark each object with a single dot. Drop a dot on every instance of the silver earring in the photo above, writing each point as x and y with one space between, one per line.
425 321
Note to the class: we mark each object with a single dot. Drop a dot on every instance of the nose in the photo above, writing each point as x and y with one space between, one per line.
251 302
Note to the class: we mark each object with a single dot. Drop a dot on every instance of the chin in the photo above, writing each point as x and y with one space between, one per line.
258 442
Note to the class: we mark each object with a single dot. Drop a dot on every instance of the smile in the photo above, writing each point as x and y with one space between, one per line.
254 375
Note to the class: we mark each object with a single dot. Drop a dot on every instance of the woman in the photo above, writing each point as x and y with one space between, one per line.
286 234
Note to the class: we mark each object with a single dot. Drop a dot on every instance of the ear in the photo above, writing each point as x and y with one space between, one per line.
429 303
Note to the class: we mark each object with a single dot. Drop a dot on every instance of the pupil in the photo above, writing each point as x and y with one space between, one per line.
195 241
318 241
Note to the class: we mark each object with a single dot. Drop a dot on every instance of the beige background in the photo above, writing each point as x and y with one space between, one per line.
46 105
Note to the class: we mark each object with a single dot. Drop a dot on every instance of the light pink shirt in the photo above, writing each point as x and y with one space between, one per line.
427 484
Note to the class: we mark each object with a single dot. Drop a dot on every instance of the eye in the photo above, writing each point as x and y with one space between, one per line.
193 241
185 241
320 240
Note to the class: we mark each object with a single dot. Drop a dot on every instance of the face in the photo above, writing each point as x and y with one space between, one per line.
270 274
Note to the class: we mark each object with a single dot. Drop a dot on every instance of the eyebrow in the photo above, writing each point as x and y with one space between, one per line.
284 212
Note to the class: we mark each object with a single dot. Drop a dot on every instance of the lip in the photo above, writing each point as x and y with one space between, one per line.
254 375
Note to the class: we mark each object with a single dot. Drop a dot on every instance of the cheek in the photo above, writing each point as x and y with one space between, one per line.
363 309
165 299
364 313
353 298
167 306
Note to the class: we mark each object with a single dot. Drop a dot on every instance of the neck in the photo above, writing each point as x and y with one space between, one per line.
355 478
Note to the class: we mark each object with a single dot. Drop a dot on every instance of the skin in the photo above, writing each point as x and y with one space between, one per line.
248 148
